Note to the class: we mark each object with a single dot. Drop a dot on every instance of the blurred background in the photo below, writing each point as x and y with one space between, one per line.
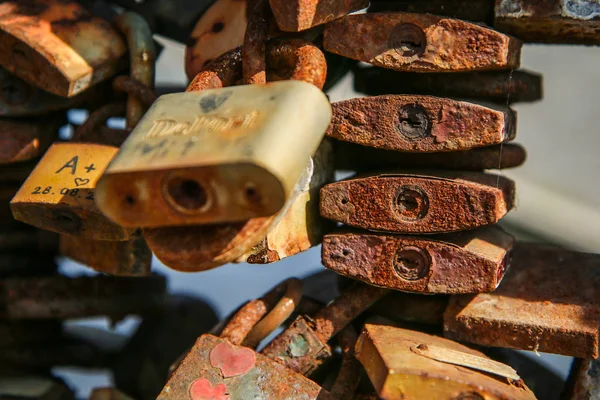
558 195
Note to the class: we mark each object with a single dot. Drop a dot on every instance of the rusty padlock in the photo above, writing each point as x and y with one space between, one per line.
34 388
465 262
420 123
57 45
23 140
421 43
509 155
120 258
547 302
584 380
59 195
418 202
108 394
299 15
409 364
497 86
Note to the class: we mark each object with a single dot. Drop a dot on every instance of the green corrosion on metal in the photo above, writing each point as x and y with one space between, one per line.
298 346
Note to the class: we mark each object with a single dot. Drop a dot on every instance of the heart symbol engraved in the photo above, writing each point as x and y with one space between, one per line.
81 181
201 389
232 360
211 102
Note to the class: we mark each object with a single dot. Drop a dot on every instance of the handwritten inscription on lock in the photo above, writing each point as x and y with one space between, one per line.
202 124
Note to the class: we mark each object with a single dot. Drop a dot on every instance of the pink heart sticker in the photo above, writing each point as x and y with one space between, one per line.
232 360
201 389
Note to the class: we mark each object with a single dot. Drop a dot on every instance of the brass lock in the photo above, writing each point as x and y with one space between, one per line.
299 15
534 306
23 140
466 262
421 43
405 364
57 45
212 156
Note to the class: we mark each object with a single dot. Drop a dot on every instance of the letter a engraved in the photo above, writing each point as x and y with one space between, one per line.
72 164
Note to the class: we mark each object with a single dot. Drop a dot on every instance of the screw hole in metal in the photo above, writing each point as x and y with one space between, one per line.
411 263
252 195
218 27
344 201
68 221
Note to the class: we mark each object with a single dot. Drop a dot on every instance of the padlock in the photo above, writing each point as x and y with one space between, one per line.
23 140
464 262
303 346
108 394
141 368
420 124
509 155
584 380
299 15
57 45
119 258
421 43
419 202
547 302
301 226
63 297
468 10
34 388
405 364
497 86
553 21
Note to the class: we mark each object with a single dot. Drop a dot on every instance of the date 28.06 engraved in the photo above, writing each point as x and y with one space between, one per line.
202 124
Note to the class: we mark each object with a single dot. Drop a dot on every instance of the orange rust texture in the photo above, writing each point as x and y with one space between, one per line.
547 302
420 123
421 43
419 202
23 140
299 15
353 157
438 264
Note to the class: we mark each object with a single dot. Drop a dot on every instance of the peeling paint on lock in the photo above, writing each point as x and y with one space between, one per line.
465 262
421 43
420 123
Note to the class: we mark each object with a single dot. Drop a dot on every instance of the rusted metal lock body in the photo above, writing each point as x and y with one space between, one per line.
59 194
57 45
547 302
34 388
497 86
464 262
119 258
60 297
421 43
551 21
301 226
419 202
420 123
299 15
108 394
584 380
405 364
23 140
213 156
509 155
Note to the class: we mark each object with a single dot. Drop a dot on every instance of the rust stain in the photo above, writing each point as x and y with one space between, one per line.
299 15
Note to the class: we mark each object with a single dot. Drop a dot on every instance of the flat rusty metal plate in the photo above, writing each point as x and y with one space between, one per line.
353 157
421 43
419 202
299 15
420 124
502 87
548 302
23 140
241 375
550 21
464 262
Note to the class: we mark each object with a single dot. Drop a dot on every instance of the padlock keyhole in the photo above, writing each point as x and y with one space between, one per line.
411 204
413 122
187 194
411 263
408 40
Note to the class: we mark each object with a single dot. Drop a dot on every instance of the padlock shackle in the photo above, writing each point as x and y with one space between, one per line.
254 63
347 381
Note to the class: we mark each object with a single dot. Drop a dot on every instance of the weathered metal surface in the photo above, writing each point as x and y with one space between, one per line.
394 360
358 158
584 380
59 193
409 307
34 388
168 173
16 333
500 87
419 202
547 302
301 226
550 21
299 15
142 368
347 381
296 59
303 346
119 258
62 297
23 140
108 394
254 61
466 262
469 10
200 376
420 123
421 43
57 45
